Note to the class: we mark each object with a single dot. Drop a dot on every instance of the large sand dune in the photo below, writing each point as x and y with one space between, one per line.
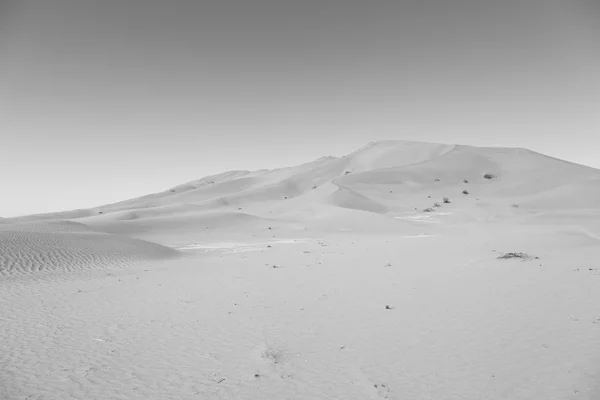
342 278
383 177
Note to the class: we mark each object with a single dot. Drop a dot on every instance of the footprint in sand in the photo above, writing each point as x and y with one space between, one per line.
382 390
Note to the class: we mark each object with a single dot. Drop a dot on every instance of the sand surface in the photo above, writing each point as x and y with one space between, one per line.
320 281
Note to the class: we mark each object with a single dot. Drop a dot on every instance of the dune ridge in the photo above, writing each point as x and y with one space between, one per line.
367 179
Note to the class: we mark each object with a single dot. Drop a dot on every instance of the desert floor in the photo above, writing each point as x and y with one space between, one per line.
301 314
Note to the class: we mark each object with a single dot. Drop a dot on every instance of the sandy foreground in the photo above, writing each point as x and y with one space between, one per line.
288 285
306 319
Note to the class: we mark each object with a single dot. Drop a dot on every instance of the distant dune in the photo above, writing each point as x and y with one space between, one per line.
384 177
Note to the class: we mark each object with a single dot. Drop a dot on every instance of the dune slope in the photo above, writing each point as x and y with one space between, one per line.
64 247
387 177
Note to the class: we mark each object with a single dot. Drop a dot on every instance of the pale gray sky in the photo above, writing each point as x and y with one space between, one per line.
106 100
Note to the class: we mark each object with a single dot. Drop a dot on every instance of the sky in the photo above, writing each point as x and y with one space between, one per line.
106 100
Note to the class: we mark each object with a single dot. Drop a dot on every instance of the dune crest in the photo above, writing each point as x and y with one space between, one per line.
389 177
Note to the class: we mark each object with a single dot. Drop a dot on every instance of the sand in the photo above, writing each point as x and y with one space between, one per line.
322 281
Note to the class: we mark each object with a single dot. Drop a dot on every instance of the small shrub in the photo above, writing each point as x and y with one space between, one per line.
437 179
346 172
489 176
515 205
436 204
446 200
428 209
465 180
465 191
522 256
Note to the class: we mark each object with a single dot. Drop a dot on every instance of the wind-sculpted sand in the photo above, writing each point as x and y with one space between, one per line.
30 249
323 281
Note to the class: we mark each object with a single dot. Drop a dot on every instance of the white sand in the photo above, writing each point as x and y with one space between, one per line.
274 284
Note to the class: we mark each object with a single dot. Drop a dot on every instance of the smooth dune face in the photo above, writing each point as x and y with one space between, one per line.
346 277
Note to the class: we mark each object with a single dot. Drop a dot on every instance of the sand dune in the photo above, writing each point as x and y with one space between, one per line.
382 177
63 247
345 277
